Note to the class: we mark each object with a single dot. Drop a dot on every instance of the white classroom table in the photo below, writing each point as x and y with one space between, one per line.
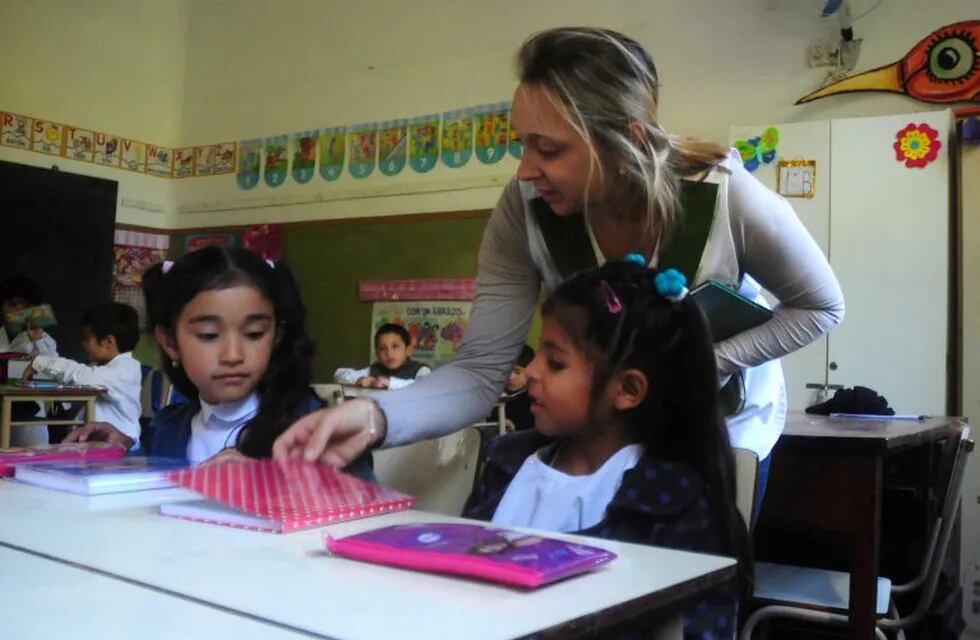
43 599
290 581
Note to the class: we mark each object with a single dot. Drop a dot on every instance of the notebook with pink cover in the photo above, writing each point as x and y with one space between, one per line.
64 452
262 495
473 550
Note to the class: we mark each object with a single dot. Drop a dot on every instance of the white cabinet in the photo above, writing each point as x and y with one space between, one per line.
885 229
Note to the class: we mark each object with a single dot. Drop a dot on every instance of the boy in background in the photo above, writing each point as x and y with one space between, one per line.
17 294
111 331
517 403
394 368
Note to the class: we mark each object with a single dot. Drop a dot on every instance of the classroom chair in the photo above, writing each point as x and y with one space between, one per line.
746 483
156 393
820 596
332 394
440 473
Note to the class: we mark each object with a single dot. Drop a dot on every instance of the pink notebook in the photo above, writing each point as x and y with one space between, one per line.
473 550
264 496
64 452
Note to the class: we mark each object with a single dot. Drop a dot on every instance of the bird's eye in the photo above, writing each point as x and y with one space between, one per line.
952 58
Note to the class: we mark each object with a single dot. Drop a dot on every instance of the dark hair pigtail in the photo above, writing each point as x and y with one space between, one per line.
285 387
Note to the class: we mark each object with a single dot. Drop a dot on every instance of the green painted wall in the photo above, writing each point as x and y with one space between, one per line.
330 260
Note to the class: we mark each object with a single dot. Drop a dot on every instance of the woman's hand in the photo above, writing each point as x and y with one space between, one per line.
226 455
334 436
100 432
365 381
382 382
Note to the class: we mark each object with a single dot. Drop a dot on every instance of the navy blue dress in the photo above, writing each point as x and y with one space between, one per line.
659 503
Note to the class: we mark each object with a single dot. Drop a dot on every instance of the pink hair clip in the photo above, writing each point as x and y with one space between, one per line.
167 265
613 305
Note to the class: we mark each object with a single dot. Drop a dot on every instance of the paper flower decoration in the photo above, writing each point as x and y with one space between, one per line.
917 145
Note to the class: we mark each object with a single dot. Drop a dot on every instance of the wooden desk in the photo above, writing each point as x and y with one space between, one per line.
826 475
44 598
10 394
288 580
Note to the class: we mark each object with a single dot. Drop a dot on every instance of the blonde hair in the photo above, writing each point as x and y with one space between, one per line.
606 86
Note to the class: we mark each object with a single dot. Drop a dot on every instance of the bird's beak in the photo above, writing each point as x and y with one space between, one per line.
887 78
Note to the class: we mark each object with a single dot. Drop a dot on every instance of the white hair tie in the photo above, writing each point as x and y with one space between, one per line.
167 265
272 265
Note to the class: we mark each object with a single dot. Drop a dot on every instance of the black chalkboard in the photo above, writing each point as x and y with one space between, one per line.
58 228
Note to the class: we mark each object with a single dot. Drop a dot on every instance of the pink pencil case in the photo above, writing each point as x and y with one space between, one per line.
476 551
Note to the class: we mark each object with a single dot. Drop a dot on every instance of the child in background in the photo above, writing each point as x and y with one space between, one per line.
394 368
630 442
111 331
517 403
17 294
231 328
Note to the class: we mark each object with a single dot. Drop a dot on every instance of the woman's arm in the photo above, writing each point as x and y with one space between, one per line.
775 248
461 392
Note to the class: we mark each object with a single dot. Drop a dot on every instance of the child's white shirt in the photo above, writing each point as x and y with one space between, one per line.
215 427
346 375
542 497
122 378
46 346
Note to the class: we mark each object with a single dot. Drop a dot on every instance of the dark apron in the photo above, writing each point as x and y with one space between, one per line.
571 251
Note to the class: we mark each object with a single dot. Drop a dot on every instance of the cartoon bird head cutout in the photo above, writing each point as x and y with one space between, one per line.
944 67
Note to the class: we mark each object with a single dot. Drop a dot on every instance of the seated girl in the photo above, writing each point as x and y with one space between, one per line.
231 328
630 443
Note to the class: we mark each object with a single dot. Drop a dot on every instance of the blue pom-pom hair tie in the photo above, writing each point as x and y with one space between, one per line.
635 258
671 284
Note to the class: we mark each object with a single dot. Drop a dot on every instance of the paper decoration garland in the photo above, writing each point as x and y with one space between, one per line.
759 150
204 160
249 157
304 155
492 122
276 150
106 149
392 146
514 145
917 145
423 142
333 143
79 144
133 155
183 162
47 138
224 158
16 131
159 161
362 140
457 137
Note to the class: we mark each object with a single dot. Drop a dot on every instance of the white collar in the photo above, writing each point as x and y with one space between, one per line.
225 414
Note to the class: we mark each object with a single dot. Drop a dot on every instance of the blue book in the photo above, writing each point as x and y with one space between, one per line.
102 476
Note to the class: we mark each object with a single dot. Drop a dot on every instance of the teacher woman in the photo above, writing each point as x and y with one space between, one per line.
599 178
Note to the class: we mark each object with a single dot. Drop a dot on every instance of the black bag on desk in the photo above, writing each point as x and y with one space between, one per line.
856 400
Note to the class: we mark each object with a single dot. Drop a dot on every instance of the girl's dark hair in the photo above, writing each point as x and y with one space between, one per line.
680 419
286 383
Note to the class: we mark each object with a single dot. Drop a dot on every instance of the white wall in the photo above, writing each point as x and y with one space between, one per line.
174 72
111 65
971 379
257 68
